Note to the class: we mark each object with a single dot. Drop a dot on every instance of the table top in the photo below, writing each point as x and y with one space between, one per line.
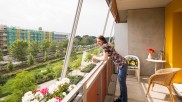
153 60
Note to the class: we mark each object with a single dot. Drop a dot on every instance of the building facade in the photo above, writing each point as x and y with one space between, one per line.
9 34
60 35
3 38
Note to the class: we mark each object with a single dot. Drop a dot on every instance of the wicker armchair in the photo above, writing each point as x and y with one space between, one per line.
163 77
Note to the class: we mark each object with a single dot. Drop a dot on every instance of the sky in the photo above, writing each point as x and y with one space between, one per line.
56 15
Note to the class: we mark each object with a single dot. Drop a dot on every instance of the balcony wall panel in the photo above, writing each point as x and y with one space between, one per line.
104 84
92 94
109 71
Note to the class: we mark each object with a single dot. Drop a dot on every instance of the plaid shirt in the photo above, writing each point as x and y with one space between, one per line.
115 57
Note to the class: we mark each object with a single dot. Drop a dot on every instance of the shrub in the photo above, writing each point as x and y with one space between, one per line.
22 83
7 76
50 76
10 66
88 57
3 79
38 75
57 54
88 68
31 59
46 57
75 79
1 55
57 71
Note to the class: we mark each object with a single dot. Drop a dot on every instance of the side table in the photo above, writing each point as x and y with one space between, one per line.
156 61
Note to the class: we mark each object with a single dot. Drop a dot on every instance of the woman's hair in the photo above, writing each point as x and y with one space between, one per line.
102 38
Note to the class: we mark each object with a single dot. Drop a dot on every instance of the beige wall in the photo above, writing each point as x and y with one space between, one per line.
145 29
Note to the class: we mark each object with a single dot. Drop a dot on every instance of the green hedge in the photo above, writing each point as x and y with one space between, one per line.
75 79
88 68
5 77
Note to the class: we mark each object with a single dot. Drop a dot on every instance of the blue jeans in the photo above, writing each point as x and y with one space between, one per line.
122 72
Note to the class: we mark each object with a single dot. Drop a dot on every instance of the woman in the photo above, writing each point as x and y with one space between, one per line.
119 61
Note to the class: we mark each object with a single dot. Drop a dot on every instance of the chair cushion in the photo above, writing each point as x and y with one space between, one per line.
132 62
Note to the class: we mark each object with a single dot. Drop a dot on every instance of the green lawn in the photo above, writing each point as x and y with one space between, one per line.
42 74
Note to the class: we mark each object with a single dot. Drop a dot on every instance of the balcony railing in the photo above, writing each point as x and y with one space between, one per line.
93 87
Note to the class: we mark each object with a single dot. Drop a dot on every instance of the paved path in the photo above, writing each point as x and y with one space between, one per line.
46 84
76 72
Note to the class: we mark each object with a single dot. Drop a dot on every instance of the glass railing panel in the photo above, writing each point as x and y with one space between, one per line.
42 56
38 60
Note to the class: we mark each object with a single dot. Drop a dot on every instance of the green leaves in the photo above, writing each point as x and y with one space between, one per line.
52 46
34 48
88 57
31 59
10 66
44 46
1 55
85 40
63 44
88 68
22 83
18 50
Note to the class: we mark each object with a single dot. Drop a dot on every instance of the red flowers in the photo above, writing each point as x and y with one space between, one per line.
44 91
58 99
150 50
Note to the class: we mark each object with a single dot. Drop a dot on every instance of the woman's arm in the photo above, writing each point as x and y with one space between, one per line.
102 58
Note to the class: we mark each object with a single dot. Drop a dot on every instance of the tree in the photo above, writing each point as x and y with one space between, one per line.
46 57
44 46
1 55
63 44
78 37
52 46
77 40
31 59
34 48
10 66
57 54
18 50
88 40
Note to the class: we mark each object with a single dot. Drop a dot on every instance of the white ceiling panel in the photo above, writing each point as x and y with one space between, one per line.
138 4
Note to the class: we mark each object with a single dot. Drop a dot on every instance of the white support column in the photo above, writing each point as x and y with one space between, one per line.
71 38
111 33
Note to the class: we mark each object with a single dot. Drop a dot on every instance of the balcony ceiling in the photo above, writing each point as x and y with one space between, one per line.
138 4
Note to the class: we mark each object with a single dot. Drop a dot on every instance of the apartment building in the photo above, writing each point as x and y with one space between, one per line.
3 38
60 35
9 34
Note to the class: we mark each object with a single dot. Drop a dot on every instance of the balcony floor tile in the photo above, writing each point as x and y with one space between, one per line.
137 90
